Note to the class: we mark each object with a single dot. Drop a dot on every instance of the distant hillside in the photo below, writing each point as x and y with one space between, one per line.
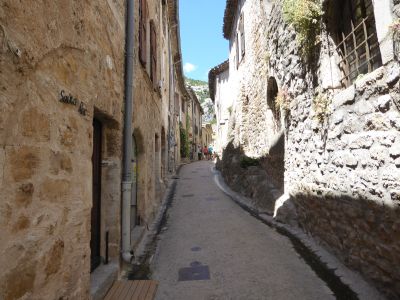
195 82
203 94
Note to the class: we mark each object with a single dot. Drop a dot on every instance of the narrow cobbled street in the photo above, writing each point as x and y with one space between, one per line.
211 248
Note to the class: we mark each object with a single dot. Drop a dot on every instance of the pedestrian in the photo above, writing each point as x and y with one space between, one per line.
199 151
205 151
210 152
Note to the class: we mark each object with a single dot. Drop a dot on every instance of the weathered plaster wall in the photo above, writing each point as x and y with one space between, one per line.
255 127
224 108
46 145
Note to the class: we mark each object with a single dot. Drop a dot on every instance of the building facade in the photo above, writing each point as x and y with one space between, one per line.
61 135
331 108
195 117
207 135
220 94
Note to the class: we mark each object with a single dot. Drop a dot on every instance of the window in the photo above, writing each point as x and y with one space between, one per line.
237 51
240 42
177 104
143 31
241 32
358 42
153 53
183 105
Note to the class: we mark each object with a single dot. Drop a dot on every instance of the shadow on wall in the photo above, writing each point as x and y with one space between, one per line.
260 179
364 234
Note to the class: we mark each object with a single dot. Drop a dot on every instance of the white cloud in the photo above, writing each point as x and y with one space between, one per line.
188 67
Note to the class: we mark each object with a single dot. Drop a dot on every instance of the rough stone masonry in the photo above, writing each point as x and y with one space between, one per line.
342 171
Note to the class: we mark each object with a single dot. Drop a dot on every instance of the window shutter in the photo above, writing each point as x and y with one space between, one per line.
177 104
153 51
237 51
242 41
142 32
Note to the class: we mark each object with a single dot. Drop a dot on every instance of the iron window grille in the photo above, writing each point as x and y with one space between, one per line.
358 41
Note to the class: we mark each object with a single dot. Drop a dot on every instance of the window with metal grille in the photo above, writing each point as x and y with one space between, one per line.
153 53
143 31
358 41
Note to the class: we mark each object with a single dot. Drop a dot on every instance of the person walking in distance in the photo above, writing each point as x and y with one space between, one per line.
205 152
199 151
210 152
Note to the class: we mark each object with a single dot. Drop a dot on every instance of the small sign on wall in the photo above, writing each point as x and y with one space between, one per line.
69 99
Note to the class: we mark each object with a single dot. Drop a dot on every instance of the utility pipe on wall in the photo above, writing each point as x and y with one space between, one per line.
127 166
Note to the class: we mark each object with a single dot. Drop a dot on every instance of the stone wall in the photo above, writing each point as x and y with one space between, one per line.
341 164
46 145
248 82
343 171
252 128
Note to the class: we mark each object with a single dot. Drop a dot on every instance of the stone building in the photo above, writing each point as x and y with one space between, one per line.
195 114
207 135
61 137
331 107
220 94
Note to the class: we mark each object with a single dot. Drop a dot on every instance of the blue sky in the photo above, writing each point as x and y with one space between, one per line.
203 45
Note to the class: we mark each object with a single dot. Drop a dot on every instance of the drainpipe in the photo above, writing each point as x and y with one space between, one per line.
127 165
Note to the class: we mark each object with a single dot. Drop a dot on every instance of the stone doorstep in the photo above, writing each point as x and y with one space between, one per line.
102 279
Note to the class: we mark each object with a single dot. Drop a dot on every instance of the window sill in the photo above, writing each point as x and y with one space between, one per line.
348 94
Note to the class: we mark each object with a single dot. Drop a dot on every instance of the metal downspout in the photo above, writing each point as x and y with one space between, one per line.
127 165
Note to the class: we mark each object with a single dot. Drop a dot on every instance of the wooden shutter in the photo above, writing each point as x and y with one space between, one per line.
143 32
242 42
177 104
237 51
153 53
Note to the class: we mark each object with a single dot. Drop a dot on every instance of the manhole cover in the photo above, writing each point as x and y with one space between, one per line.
195 249
187 195
197 272
211 199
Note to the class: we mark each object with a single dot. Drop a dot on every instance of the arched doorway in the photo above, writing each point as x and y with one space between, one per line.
272 93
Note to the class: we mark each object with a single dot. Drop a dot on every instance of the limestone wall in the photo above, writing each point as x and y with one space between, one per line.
255 128
46 145
224 108
343 172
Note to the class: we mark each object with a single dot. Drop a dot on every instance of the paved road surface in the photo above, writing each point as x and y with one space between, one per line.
209 236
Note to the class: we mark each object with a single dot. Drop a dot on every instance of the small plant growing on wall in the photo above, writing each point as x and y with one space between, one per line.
282 100
305 16
321 104
395 28
184 141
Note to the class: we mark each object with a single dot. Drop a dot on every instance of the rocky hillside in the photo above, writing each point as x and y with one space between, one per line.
201 89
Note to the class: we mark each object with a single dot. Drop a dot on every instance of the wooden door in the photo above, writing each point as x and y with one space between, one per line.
95 257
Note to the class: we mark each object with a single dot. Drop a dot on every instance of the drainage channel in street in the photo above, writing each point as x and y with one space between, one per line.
339 289
142 271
